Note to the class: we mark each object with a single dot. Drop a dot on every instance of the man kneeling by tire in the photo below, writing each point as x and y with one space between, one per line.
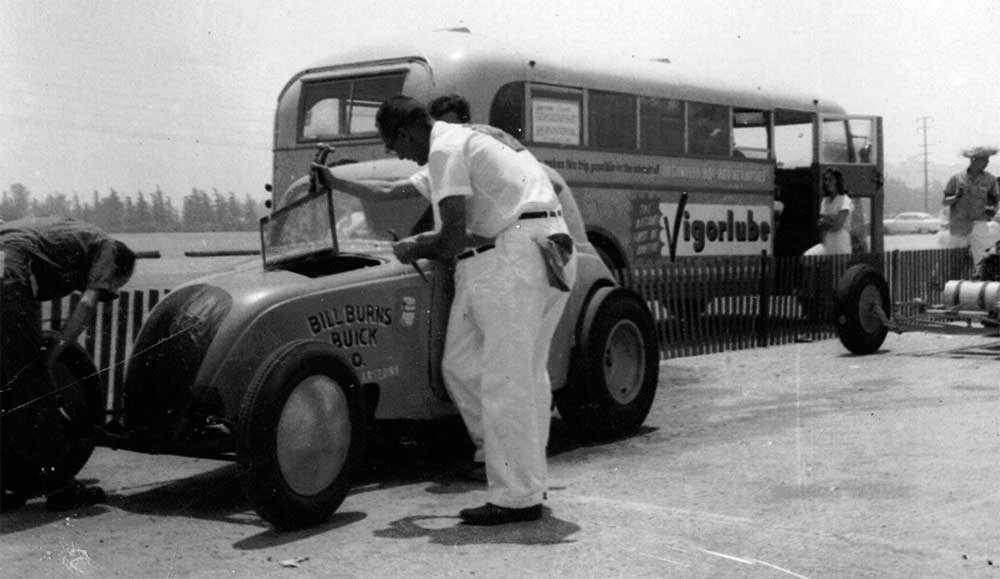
44 412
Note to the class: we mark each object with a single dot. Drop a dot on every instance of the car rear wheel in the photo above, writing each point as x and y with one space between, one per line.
300 435
615 373
861 293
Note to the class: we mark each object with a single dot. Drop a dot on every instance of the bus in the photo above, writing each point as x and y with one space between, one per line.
663 163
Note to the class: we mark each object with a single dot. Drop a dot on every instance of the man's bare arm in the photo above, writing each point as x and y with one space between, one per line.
78 321
369 190
443 244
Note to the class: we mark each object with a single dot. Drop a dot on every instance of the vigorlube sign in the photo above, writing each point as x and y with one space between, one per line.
697 229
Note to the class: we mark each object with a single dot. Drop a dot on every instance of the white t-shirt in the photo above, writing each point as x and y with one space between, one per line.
837 241
421 181
498 182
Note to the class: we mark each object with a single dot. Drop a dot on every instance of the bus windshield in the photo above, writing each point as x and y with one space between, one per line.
344 107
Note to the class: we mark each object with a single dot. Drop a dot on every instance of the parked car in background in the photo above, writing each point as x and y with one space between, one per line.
912 222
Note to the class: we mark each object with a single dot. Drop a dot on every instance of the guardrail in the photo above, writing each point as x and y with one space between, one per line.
701 305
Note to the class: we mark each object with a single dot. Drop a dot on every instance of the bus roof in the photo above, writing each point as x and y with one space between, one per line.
453 54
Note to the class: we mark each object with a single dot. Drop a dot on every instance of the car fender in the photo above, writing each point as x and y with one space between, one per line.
597 297
396 358
591 273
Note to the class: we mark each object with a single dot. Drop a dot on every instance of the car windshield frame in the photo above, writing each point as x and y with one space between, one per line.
299 230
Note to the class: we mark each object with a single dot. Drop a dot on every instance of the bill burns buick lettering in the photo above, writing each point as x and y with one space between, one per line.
352 326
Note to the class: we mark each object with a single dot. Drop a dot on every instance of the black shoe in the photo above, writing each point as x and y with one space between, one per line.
490 514
74 496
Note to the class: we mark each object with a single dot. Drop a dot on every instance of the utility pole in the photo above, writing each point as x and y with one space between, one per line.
923 129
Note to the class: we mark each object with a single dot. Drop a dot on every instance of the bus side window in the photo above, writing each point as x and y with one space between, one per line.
751 134
612 120
661 125
556 116
708 129
507 109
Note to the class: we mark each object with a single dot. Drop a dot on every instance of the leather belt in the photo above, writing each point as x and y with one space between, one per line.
540 214
474 251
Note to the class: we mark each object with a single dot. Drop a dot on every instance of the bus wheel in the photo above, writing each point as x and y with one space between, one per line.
862 309
53 426
615 372
300 435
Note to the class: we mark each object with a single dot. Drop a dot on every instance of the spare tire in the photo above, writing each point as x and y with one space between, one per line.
48 429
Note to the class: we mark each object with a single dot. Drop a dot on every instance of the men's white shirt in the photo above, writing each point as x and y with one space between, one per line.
498 182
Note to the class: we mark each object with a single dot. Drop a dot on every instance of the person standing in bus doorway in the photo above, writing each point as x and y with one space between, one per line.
45 259
505 311
971 197
834 216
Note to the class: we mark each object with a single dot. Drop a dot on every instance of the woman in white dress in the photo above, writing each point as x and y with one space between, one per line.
834 216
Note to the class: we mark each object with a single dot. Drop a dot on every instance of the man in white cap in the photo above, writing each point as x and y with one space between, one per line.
972 197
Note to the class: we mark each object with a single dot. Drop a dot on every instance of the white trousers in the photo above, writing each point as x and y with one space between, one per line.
496 356
834 243
982 237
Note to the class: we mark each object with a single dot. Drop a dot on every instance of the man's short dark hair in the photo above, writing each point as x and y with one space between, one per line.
124 261
452 103
397 112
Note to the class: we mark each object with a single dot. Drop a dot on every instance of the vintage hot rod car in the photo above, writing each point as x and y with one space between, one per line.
285 365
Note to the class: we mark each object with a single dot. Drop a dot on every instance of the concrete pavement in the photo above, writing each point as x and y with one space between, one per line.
790 461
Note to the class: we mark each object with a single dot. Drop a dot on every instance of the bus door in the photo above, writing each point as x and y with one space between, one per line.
853 144
796 201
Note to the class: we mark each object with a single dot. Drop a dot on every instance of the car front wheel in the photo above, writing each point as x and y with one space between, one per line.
615 373
300 435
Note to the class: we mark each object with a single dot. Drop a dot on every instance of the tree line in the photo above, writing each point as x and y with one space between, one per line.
154 212
201 211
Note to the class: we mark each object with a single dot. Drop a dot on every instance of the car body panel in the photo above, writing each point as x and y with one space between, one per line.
912 222
386 321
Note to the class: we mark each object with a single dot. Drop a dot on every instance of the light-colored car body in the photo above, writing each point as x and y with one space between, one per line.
282 364
911 222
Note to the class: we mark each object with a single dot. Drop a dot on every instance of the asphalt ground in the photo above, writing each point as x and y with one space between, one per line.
792 461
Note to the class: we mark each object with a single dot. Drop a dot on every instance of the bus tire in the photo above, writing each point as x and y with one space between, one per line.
58 428
615 371
301 435
861 288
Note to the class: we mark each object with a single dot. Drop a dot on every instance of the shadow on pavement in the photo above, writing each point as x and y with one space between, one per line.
212 495
440 452
450 532
273 537
434 453
33 514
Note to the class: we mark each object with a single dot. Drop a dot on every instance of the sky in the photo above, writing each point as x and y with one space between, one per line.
133 95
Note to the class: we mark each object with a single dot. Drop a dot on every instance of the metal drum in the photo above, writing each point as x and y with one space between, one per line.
972 295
